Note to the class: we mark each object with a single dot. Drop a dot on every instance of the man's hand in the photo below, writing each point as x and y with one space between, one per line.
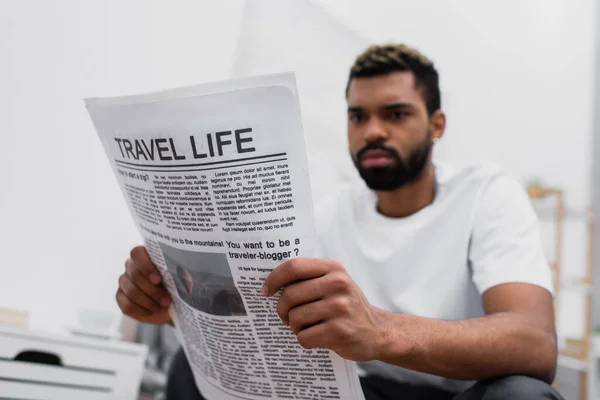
141 296
325 308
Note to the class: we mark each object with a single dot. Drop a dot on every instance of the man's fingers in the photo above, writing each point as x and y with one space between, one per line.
129 307
299 293
296 270
142 260
314 336
307 315
136 295
311 290
156 293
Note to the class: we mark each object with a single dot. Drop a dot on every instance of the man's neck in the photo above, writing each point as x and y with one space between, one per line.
411 197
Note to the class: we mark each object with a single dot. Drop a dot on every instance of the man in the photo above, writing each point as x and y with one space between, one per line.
439 280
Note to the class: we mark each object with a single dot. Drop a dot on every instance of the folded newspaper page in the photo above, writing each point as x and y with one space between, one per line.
216 179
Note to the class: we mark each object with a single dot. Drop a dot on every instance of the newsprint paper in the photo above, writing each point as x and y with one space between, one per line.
216 178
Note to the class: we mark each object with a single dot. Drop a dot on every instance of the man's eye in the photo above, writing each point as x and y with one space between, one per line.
395 115
355 118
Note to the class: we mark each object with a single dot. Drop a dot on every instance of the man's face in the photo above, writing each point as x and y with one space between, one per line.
388 129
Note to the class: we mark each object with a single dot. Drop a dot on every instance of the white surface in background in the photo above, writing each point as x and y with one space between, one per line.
65 230
319 49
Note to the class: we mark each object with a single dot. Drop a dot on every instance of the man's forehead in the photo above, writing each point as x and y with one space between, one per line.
395 87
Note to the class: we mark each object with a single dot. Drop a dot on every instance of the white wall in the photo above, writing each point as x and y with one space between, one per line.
596 177
319 49
516 77
64 227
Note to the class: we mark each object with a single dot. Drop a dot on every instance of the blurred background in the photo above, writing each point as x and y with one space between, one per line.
519 88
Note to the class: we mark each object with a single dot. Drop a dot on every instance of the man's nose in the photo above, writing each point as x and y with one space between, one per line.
375 131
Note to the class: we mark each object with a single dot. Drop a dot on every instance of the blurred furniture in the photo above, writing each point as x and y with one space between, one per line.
99 324
580 354
38 365
537 193
14 317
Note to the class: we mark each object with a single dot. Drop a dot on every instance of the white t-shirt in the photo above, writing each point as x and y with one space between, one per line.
479 232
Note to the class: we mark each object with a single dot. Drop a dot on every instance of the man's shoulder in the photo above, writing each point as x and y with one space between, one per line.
477 178
490 189
476 174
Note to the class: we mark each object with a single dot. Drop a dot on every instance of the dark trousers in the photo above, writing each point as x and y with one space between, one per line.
181 386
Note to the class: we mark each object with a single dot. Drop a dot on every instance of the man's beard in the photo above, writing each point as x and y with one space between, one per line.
397 175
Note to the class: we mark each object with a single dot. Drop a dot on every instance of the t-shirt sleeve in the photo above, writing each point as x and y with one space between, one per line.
506 245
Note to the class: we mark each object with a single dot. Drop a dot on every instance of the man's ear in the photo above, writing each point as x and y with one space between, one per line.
437 125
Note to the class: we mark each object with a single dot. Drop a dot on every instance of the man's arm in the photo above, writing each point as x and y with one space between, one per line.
516 337
325 308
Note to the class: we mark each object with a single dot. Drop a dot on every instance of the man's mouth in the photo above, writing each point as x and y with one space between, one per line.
376 159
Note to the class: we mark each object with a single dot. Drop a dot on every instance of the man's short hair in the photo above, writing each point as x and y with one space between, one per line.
381 60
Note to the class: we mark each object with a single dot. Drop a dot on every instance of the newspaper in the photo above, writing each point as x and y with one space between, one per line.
216 179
